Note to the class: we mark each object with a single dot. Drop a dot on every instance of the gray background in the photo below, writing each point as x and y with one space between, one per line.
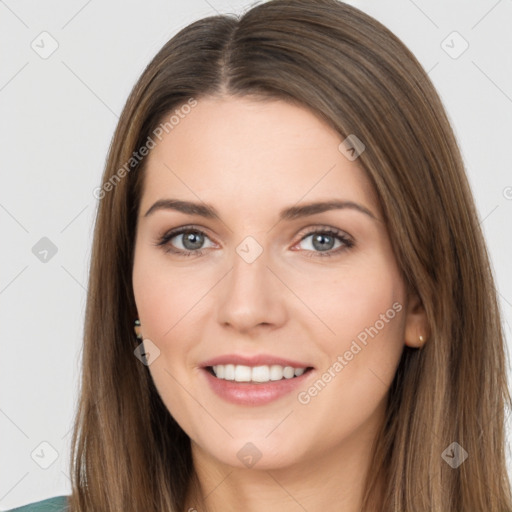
58 115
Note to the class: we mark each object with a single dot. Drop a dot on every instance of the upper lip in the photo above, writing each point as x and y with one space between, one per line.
255 360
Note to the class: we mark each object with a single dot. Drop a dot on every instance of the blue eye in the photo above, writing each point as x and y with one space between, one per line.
193 239
324 239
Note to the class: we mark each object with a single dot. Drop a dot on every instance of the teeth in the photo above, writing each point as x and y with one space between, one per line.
241 373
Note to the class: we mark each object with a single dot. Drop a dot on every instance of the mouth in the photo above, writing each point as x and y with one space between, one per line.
252 386
242 374
255 379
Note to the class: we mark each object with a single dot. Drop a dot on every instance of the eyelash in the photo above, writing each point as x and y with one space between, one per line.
167 237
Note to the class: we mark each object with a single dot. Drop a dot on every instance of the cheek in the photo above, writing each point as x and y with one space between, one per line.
363 301
160 293
354 296
365 312
162 303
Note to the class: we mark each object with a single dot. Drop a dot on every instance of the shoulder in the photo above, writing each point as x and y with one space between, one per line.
57 504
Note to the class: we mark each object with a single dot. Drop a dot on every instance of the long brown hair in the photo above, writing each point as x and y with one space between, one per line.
128 453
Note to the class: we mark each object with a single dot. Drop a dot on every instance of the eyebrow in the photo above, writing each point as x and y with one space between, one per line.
290 213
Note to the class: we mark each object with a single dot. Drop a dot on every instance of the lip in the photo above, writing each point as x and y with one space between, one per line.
255 360
245 393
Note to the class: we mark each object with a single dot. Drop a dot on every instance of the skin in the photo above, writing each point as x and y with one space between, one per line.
249 159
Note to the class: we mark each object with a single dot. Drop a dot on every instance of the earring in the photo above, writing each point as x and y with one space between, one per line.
421 338
136 328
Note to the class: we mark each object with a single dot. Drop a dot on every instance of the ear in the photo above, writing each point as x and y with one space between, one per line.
416 323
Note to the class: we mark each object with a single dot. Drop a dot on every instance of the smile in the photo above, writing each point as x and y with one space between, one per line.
275 382
263 373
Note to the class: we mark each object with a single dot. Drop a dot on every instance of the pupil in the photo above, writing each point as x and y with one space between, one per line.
190 238
321 237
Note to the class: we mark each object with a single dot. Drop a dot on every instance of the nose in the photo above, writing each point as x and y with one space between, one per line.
252 295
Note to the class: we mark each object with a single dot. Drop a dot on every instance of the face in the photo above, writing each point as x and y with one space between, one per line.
317 288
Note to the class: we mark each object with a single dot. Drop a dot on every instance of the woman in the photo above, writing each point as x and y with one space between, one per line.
285 222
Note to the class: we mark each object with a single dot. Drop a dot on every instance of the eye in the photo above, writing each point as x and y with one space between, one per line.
192 240
323 241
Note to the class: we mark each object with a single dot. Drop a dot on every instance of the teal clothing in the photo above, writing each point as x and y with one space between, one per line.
57 504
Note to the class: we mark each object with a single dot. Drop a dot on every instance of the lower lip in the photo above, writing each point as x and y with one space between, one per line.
245 393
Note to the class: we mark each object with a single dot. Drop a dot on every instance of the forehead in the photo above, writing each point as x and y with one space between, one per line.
253 152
